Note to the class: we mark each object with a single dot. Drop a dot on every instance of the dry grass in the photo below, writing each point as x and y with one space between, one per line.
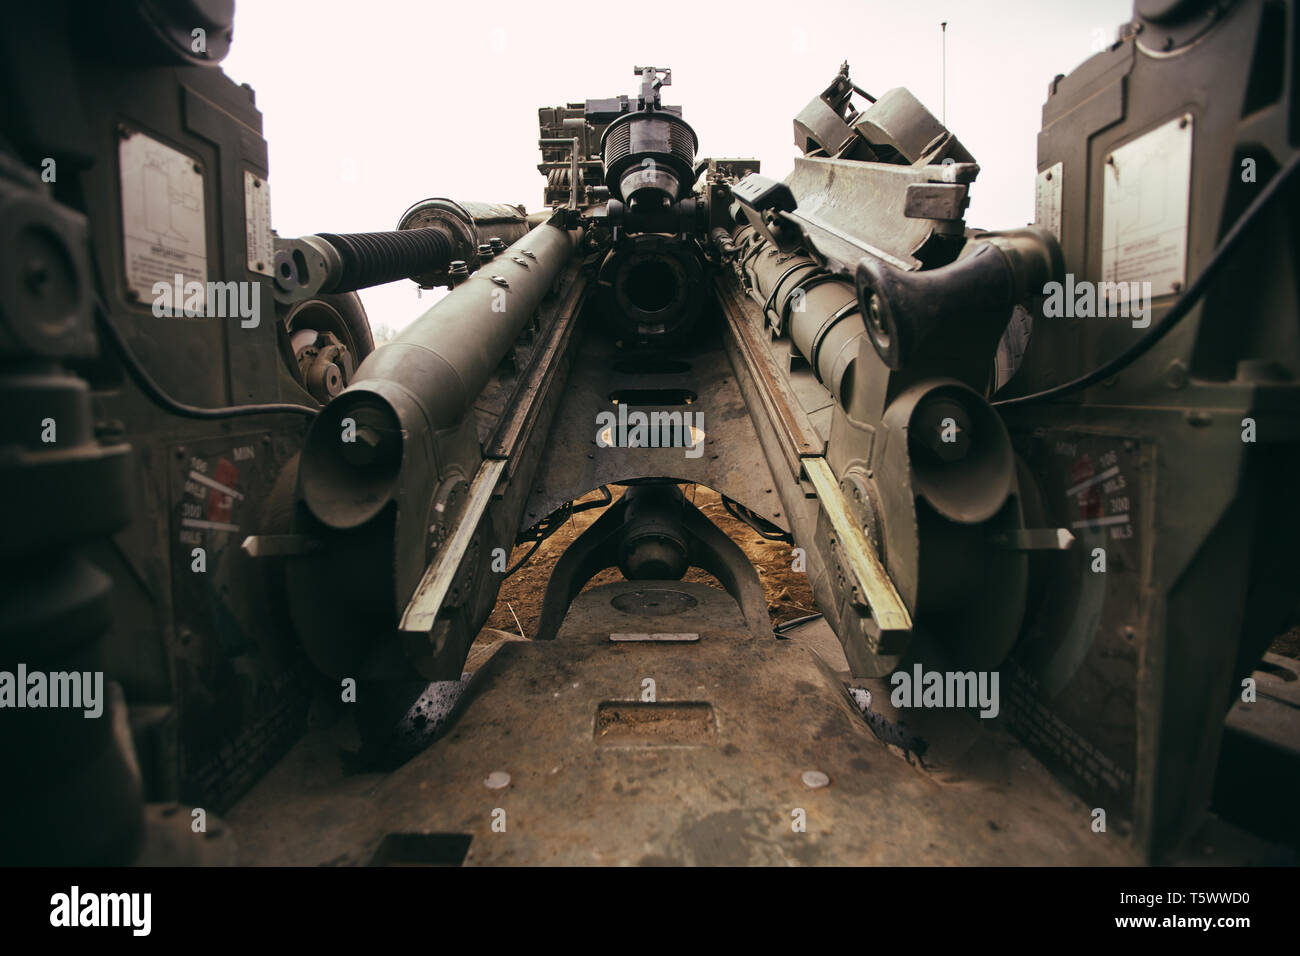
788 593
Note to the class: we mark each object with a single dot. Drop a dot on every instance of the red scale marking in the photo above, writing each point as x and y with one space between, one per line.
220 504
1090 498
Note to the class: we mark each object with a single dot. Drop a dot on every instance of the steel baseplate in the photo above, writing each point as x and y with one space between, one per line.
564 753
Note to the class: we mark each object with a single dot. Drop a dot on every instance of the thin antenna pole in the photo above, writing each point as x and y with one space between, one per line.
943 25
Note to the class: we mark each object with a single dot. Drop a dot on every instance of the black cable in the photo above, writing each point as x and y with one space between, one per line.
546 527
795 622
153 391
759 525
1185 302
606 498
524 560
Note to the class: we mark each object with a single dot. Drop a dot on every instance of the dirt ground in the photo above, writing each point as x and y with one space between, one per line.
519 605
1288 645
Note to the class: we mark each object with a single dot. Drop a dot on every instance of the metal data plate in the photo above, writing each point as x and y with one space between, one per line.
1047 199
163 230
260 245
1144 224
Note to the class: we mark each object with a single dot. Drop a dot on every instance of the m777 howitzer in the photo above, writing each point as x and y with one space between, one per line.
1035 477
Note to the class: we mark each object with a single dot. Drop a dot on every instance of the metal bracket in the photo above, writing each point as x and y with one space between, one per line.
279 545
1034 539
426 602
870 576
575 172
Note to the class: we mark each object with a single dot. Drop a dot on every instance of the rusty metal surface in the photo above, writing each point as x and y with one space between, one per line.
714 775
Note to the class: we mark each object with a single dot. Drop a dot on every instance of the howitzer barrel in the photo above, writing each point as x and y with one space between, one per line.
425 381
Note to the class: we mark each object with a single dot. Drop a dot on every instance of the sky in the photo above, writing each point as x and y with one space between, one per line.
370 107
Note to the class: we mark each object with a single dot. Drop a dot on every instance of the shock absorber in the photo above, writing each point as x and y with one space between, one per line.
359 260
819 311
431 235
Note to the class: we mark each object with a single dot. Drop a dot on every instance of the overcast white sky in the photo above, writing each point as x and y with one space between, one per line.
371 106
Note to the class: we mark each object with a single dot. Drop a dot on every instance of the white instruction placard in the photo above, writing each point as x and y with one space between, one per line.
163 229
1144 220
